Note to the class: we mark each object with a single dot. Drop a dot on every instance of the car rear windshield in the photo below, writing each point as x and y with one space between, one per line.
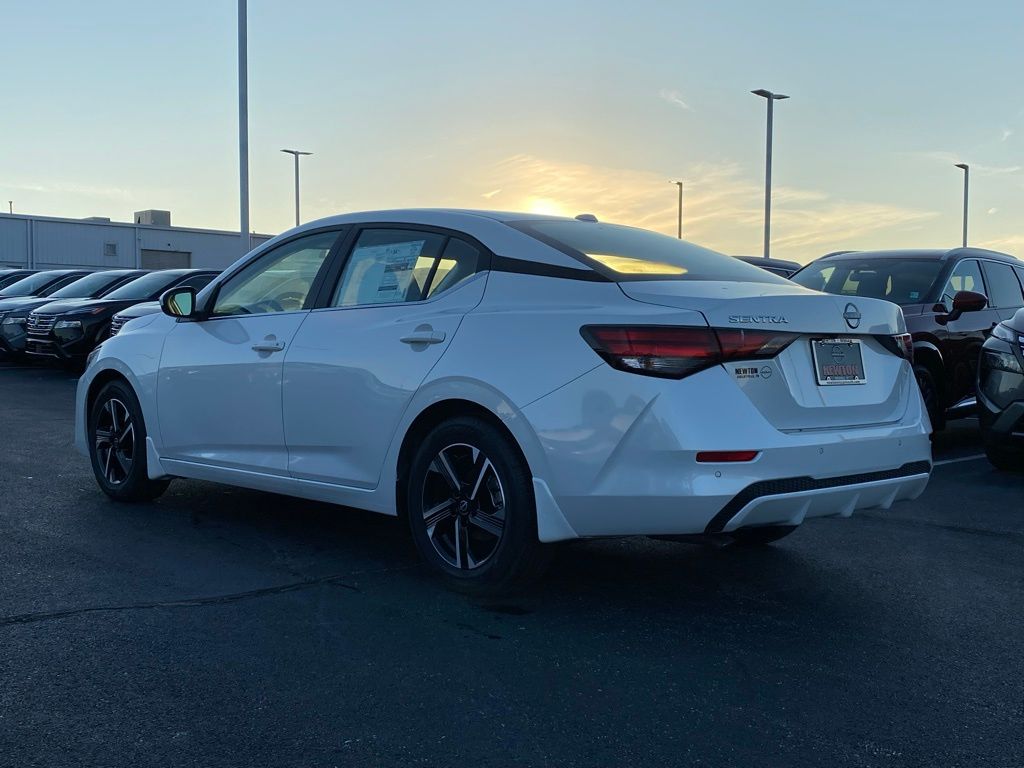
145 286
89 286
901 281
626 253
29 285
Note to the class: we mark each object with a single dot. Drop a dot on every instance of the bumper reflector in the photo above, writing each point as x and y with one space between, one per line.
713 457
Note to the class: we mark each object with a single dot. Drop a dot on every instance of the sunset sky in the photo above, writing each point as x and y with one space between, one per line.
563 107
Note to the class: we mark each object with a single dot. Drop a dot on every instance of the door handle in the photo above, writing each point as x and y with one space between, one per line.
268 346
424 337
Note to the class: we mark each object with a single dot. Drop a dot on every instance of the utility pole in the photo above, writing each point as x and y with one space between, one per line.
967 175
679 220
771 98
296 153
243 128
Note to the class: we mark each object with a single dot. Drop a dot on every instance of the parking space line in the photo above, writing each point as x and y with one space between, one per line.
975 457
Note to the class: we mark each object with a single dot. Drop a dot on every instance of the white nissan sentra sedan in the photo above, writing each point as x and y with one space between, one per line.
503 381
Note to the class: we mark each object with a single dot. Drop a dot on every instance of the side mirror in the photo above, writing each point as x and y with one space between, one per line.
179 302
966 301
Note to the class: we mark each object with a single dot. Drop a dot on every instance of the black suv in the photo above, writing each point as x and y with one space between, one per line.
1001 394
951 299
69 330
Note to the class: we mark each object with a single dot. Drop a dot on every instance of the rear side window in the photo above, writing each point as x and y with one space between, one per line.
1004 289
626 253
966 277
388 266
459 261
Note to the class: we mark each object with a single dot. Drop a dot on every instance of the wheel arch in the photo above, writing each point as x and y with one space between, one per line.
929 355
430 417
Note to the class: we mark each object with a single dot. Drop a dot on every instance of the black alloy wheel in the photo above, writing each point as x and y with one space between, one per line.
470 508
117 445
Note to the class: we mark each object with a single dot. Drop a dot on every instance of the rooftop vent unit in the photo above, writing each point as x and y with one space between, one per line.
153 218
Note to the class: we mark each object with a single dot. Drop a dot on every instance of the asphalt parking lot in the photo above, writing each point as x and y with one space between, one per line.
226 627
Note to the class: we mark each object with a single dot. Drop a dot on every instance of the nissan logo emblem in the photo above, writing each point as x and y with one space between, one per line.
852 315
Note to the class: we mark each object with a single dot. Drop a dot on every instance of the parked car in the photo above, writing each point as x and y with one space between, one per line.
1001 393
139 310
14 316
69 330
779 267
951 300
503 381
9 276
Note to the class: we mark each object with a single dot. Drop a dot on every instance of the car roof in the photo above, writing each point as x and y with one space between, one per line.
923 253
488 227
761 261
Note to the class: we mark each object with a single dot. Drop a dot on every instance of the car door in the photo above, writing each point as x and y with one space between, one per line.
1005 295
965 335
356 361
219 386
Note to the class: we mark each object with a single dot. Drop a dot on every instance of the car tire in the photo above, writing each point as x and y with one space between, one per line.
761 535
931 395
117 445
1004 458
471 509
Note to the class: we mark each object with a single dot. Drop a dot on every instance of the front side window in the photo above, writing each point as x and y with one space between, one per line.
388 266
966 277
278 281
901 281
1004 290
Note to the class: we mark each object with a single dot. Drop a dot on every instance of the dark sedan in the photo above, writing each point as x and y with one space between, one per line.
15 311
69 330
1001 393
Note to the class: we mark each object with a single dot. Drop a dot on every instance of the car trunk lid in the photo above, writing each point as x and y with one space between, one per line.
789 389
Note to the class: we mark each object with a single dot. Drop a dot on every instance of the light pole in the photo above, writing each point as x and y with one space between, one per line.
679 219
296 153
967 176
243 129
771 98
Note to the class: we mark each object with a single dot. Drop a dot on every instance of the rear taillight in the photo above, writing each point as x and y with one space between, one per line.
902 344
677 351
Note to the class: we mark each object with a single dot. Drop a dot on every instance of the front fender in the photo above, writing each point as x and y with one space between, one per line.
136 358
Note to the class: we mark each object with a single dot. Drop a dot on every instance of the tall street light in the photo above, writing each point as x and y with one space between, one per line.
967 176
296 153
243 129
679 220
772 98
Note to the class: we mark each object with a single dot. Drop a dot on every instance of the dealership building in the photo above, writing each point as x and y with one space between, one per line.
150 242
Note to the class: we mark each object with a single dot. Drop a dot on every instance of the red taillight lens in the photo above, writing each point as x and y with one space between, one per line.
901 344
717 457
907 344
678 351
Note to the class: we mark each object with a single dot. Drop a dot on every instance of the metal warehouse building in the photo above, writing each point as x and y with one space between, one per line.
46 242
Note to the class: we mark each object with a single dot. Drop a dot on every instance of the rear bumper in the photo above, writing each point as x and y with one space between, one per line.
790 501
625 463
